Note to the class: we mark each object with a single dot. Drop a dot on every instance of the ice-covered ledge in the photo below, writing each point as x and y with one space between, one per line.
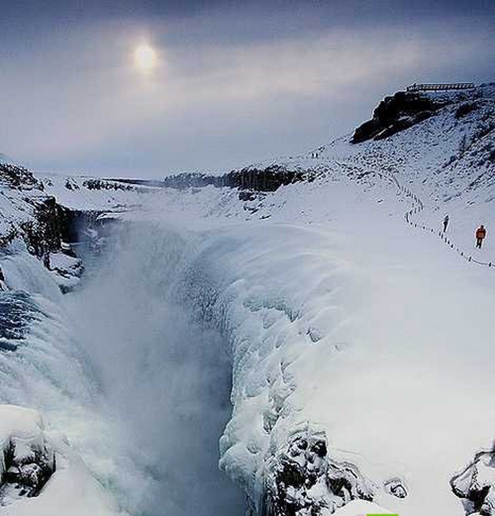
41 475
361 508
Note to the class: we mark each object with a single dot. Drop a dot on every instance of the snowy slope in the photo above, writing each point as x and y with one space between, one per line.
333 323
399 314
360 338
86 193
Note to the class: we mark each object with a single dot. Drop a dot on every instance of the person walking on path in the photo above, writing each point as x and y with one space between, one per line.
480 235
445 223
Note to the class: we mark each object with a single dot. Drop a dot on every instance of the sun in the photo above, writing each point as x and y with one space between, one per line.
145 57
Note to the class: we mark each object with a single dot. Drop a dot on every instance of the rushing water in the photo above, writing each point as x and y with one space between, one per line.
164 375
136 379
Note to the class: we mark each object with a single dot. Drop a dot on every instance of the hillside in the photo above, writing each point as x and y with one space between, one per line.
357 332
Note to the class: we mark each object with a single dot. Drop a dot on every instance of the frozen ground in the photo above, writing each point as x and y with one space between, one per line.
340 318
358 324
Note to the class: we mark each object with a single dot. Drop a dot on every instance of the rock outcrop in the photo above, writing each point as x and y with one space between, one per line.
41 474
29 215
27 460
304 480
475 485
15 176
395 114
262 179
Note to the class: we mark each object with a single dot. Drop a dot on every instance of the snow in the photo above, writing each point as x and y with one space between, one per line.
24 424
70 486
63 261
383 328
117 197
361 508
67 270
342 318
327 328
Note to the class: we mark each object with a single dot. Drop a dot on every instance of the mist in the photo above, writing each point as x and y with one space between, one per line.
164 376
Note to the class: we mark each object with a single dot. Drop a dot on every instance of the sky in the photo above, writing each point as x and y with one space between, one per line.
231 83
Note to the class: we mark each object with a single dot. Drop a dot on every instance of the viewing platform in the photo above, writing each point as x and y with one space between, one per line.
441 87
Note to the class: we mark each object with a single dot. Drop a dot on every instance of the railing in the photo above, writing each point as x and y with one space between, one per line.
441 87
417 206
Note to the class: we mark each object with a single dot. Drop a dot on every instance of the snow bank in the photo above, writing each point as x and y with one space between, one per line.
361 508
41 475
66 270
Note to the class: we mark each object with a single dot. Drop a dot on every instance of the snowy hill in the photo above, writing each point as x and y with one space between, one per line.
357 331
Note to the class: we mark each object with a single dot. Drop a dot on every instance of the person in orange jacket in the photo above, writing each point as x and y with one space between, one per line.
480 235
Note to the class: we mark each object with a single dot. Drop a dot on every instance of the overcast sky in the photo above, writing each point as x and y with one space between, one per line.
233 82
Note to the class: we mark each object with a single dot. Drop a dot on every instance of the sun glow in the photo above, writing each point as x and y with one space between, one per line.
145 57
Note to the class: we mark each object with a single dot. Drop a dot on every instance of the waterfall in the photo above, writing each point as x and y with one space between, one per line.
164 374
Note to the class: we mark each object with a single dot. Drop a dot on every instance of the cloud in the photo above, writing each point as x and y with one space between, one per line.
76 100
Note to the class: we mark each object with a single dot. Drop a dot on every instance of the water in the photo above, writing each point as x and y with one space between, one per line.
164 377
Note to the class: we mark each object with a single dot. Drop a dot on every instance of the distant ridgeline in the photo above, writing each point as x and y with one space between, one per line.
266 179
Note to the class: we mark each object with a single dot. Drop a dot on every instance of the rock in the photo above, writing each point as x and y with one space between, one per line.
66 270
254 179
465 108
28 461
304 480
396 487
395 114
18 177
475 485
40 474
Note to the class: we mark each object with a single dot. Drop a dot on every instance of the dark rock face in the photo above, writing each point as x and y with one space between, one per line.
266 179
304 480
50 224
395 114
18 177
465 109
100 184
7 237
44 235
476 485
25 472
74 222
